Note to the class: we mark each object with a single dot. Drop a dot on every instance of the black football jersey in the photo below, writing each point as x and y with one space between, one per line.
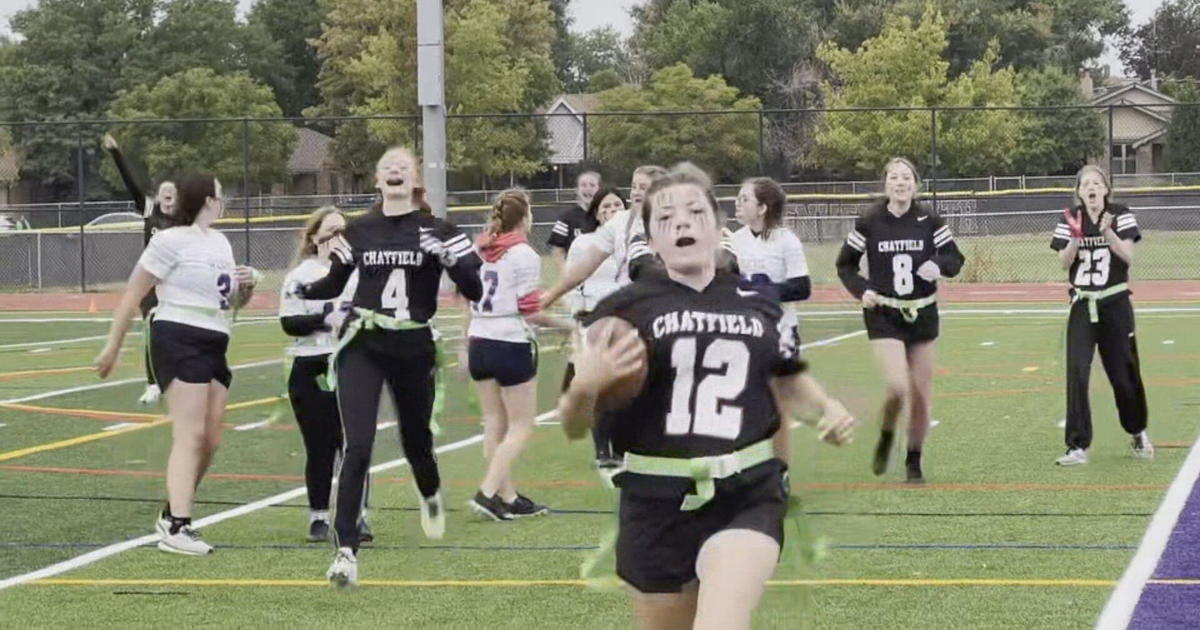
1096 267
397 276
572 222
157 221
895 248
710 356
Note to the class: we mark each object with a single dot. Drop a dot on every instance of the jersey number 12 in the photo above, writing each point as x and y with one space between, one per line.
714 415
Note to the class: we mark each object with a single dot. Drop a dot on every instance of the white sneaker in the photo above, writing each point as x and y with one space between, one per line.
1073 457
151 395
1142 448
343 572
186 541
433 516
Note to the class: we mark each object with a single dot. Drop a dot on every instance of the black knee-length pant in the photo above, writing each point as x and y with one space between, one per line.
405 360
320 425
149 301
1114 334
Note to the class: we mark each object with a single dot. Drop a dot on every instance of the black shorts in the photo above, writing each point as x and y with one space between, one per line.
510 363
188 353
885 322
658 543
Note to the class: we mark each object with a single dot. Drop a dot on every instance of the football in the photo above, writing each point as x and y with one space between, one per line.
620 393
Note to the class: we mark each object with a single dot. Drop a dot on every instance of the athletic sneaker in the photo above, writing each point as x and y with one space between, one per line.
343 572
523 506
318 530
433 516
185 540
604 463
883 450
492 507
1142 448
1073 457
364 531
150 395
913 472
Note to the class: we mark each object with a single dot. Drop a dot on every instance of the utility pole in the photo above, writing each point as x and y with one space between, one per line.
431 96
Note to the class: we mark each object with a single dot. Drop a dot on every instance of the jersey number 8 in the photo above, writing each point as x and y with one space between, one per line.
714 415
902 274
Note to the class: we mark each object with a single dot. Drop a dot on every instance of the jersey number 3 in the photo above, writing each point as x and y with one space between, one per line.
395 294
714 415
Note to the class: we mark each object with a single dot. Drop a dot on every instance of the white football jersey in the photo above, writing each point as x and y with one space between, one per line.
618 238
309 271
601 283
194 268
497 315
779 257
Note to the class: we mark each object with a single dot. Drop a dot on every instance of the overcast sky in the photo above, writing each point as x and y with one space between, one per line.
591 14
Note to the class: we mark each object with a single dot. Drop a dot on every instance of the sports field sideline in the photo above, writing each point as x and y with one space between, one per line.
999 537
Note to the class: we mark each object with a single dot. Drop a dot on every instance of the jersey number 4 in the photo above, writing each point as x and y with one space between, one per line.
395 294
1093 267
714 415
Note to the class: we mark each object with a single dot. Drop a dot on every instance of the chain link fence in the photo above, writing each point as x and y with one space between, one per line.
1000 175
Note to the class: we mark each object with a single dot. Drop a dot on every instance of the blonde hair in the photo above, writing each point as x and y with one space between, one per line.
508 211
1091 168
911 167
311 225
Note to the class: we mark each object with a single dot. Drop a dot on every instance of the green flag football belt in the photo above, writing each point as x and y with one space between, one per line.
910 309
704 471
1095 297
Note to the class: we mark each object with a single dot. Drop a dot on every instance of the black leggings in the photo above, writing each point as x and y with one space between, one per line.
148 302
320 425
1114 336
405 360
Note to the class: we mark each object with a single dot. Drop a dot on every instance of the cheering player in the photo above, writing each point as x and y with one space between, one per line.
908 250
1095 241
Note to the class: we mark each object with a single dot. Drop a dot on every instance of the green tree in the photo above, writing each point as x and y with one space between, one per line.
724 144
753 44
597 51
606 79
1057 141
1183 135
904 66
498 59
60 68
1167 44
293 25
213 147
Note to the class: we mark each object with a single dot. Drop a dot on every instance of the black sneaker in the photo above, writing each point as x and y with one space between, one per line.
491 507
883 450
523 506
318 531
364 532
914 472
607 463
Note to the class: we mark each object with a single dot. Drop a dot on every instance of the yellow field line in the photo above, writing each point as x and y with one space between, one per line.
87 413
92 437
580 583
5 376
83 439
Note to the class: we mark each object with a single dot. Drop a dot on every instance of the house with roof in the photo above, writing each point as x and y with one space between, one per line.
1141 116
566 122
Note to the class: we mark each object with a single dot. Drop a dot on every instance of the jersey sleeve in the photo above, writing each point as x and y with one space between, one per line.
161 254
331 286
848 258
787 360
1062 235
289 303
946 254
465 270
1126 226
563 231
794 261
609 234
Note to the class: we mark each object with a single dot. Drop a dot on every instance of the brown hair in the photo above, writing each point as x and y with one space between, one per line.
1091 168
418 197
508 211
911 167
311 225
194 190
769 193
680 174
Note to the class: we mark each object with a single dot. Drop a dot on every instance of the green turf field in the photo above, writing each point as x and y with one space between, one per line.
999 538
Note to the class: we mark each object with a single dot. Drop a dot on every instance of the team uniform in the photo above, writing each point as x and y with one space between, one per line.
315 407
387 338
572 222
895 248
500 344
154 220
774 265
189 330
1101 315
711 355
623 238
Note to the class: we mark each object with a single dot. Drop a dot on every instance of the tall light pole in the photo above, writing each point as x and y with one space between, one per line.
431 96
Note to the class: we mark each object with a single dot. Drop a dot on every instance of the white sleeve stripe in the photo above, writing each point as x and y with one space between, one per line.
855 247
1060 237
456 239
938 242
459 250
1063 232
944 228
855 238
1126 221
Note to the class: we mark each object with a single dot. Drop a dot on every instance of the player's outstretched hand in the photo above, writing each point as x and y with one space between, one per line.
598 365
1105 222
870 299
106 360
929 271
110 143
246 276
837 425
1074 223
